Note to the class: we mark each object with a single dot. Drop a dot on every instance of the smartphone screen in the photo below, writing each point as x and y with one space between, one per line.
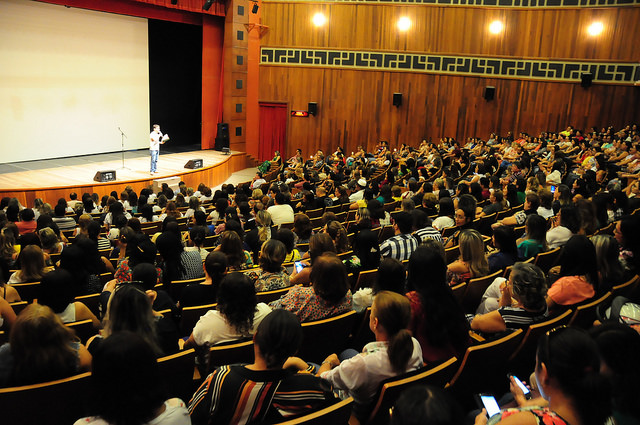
489 402
553 189
523 387
299 266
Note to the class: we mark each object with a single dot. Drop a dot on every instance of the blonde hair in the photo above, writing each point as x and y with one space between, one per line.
472 252
263 220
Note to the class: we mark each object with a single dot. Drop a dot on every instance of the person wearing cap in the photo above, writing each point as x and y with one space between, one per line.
356 196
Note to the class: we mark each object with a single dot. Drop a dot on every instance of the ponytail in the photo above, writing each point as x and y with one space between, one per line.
400 350
393 312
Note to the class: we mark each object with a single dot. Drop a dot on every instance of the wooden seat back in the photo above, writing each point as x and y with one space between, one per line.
177 371
546 260
585 314
57 402
336 414
391 389
327 336
191 315
475 290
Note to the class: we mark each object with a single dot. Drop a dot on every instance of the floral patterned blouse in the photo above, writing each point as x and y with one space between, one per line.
303 302
542 415
269 281
123 272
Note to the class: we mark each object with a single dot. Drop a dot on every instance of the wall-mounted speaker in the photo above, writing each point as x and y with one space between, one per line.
193 164
397 99
312 108
489 92
222 138
586 78
105 176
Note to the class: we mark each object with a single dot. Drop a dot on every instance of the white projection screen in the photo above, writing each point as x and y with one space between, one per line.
68 79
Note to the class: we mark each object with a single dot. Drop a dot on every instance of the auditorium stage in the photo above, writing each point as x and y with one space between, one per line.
75 174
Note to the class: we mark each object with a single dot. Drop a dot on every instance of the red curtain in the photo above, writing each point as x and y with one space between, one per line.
273 129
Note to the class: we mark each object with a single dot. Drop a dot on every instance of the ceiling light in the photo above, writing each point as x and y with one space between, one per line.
496 27
595 29
319 19
404 23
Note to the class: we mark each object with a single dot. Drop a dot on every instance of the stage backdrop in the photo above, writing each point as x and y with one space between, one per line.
68 79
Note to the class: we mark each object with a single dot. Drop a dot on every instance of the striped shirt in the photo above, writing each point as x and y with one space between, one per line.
427 232
519 318
235 394
399 246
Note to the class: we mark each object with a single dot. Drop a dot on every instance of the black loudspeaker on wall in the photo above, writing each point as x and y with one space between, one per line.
312 109
489 92
222 138
397 99
585 79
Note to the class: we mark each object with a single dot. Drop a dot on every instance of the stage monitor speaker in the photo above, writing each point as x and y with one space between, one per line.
193 164
222 138
489 92
312 109
105 176
397 99
586 78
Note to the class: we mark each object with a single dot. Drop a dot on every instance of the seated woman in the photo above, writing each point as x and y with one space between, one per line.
472 262
130 309
437 320
610 271
328 295
391 276
271 275
564 225
222 398
83 261
231 246
197 236
535 240
32 267
520 301
57 291
127 357
147 215
7 315
302 228
178 263
394 352
318 245
338 235
215 268
504 241
578 274
287 237
135 248
237 315
41 349
531 204
568 377
366 250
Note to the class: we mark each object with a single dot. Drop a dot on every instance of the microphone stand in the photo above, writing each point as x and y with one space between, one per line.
122 137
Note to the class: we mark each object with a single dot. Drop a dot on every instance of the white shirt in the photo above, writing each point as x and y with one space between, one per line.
154 144
360 376
356 196
443 222
259 182
281 214
175 413
212 328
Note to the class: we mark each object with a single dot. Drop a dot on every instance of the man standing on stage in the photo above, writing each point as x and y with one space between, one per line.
157 139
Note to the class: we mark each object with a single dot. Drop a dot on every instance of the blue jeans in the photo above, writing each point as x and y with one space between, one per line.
154 161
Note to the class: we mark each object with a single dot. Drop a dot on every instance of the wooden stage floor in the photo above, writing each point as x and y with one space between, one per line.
77 174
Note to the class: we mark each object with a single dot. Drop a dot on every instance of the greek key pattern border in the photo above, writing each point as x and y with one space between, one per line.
489 3
560 71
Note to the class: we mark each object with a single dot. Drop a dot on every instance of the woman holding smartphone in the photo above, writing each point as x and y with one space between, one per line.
571 387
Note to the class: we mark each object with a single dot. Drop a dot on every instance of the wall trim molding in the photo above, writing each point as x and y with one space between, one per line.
625 73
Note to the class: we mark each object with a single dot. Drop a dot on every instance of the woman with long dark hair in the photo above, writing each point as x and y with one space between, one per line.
568 376
178 263
236 316
437 320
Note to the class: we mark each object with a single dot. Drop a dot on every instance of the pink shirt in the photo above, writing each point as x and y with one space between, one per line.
570 290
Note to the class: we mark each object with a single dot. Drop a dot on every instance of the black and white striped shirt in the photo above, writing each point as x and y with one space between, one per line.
399 247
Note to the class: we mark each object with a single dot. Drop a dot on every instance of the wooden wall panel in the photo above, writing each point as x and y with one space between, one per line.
538 33
355 107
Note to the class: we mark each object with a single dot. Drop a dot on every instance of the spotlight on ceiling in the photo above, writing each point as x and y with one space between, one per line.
595 29
319 19
404 23
496 27
207 5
